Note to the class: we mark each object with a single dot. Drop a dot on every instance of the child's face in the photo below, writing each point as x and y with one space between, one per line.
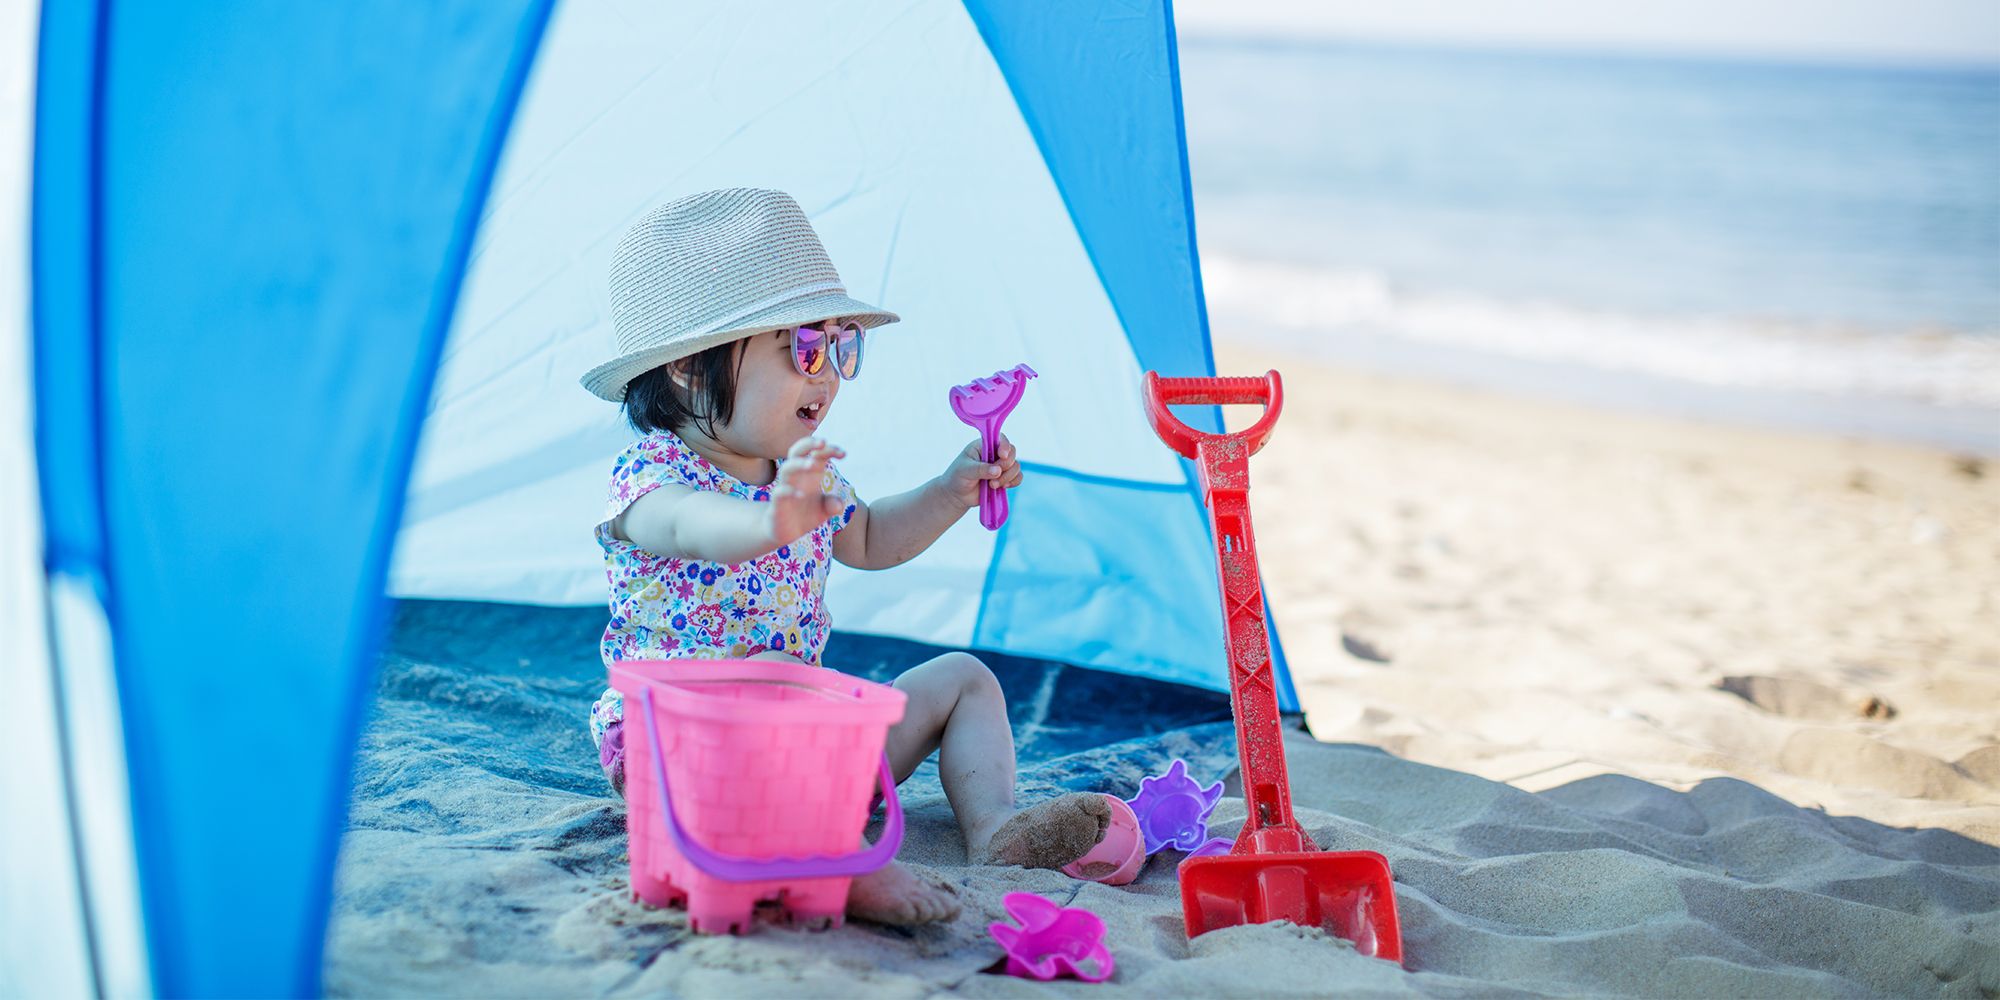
775 405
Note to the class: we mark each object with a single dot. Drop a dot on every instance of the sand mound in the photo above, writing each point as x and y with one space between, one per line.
1850 759
1982 764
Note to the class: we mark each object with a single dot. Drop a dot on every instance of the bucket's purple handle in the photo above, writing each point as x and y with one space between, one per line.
731 868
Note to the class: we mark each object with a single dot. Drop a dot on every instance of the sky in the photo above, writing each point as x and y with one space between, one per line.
1901 31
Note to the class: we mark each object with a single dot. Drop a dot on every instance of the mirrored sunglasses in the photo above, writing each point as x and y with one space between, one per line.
813 348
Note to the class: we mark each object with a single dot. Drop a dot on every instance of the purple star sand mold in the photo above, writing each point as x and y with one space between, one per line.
1173 811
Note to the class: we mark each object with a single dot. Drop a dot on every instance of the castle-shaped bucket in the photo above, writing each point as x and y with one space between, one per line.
749 781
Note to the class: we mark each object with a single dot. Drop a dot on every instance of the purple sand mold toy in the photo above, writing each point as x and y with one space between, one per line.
1052 940
1173 811
984 403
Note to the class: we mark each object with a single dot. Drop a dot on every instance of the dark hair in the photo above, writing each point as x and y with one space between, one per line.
654 402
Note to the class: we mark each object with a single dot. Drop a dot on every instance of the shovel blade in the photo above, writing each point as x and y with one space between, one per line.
1346 893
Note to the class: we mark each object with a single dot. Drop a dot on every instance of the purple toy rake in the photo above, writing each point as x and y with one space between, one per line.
984 403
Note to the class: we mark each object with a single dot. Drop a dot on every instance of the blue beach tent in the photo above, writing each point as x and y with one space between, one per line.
292 309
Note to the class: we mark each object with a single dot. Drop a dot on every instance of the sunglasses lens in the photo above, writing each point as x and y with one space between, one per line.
809 350
849 350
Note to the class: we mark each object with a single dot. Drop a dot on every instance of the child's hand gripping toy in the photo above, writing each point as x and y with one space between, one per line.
984 403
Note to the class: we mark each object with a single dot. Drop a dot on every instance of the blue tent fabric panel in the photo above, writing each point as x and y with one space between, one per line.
1099 88
278 201
1112 604
1047 596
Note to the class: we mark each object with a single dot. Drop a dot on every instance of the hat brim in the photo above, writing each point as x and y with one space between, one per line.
607 381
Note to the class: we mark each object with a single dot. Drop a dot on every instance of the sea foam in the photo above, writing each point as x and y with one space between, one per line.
1294 301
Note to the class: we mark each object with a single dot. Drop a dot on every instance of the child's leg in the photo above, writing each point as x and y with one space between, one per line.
894 894
956 708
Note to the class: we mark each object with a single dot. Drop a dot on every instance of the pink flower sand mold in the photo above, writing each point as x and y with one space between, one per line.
1051 940
1173 811
984 404
1117 857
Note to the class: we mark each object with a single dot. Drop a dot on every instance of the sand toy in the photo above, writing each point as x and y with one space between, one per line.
984 403
1172 810
1051 940
1117 858
1274 871
751 782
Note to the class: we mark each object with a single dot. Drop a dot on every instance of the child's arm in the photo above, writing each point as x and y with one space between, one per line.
897 529
685 523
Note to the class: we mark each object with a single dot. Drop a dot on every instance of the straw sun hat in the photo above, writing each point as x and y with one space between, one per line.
715 267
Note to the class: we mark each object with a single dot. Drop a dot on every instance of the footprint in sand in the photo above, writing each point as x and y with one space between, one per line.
1798 698
1363 648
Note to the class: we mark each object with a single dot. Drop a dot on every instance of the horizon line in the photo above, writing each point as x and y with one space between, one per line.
1309 38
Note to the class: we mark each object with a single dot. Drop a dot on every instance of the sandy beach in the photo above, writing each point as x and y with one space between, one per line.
1633 707
1537 593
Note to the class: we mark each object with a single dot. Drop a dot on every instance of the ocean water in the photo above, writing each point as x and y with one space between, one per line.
1784 243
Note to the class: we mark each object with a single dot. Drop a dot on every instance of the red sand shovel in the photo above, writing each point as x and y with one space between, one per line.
1275 871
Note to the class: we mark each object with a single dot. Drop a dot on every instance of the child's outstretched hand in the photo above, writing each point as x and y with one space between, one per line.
967 472
798 504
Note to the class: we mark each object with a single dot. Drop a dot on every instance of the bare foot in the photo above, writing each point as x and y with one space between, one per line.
1047 834
897 897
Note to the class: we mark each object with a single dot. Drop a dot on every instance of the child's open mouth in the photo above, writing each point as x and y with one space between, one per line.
810 413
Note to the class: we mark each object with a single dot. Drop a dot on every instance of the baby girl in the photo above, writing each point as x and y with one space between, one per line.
734 335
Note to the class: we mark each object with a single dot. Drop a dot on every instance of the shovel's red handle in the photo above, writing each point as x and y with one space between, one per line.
1224 461
1162 393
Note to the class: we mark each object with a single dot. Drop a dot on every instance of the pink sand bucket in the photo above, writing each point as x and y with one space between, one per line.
750 781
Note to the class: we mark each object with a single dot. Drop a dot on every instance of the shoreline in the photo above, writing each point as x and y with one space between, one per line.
1538 592
1886 420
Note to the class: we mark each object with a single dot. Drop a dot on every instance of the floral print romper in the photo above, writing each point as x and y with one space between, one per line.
666 608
